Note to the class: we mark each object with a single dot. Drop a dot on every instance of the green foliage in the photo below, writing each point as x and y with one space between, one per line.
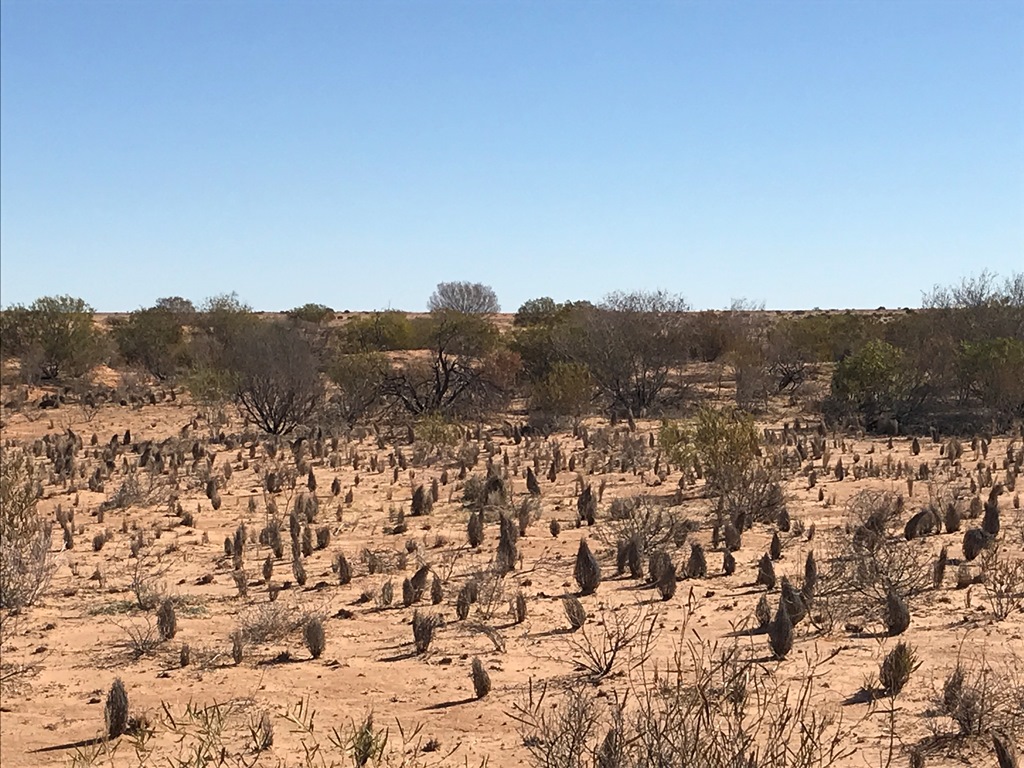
358 378
15 330
990 370
208 384
54 334
542 311
876 382
183 308
723 440
311 313
540 348
565 391
436 430
377 332
225 318
152 338
826 337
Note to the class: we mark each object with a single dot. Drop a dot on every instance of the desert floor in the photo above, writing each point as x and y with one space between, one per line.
61 656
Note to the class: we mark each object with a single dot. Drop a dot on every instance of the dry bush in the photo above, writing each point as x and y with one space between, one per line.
857 573
755 493
1003 582
622 635
166 620
141 638
423 627
979 697
558 735
272 621
705 709
643 520
26 564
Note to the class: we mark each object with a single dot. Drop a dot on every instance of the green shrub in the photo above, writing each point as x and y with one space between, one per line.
311 313
724 441
876 383
566 391
55 335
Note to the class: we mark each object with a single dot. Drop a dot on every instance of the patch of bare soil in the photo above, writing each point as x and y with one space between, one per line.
180 508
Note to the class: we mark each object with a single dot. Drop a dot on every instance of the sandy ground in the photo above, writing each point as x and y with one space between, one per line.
61 656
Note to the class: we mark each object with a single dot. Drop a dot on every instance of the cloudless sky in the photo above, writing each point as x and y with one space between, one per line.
832 154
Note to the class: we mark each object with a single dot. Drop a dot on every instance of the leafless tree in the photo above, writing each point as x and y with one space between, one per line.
461 296
277 385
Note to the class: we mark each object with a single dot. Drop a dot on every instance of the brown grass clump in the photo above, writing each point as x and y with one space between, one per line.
115 712
975 540
237 647
697 565
780 632
423 626
667 580
587 571
897 614
508 551
166 620
794 601
574 612
897 667
766 573
342 567
519 607
314 637
475 529
728 563
481 680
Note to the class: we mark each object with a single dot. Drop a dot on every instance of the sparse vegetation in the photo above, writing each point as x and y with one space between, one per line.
181 518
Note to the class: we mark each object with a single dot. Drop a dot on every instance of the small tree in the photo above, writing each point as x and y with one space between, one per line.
463 373
876 383
724 441
359 379
153 339
277 382
55 333
542 311
377 332
566 392
465 297
630 344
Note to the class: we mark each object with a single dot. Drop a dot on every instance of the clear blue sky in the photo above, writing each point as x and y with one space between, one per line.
832 154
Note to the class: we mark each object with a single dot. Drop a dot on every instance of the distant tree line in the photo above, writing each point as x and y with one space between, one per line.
955 364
